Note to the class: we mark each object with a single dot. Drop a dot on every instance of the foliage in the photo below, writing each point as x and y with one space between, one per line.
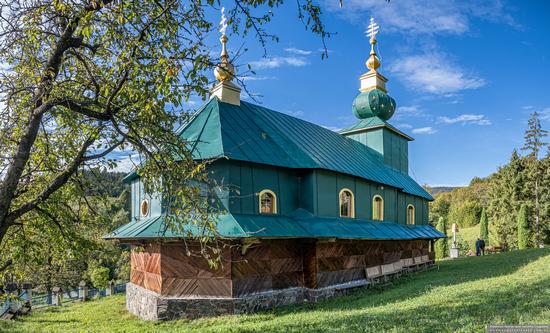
484 227
49 256
462 245
445 300
442 245
99 275
523 228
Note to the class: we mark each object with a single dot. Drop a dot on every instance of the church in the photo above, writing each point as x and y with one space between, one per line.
310 213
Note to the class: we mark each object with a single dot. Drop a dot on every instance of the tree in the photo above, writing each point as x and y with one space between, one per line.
442 245
84 78
534 136
523 228
505 195
484 226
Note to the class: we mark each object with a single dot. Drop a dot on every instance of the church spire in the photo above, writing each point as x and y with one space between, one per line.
225 90
373 100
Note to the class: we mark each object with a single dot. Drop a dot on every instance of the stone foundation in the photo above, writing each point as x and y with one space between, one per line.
152 306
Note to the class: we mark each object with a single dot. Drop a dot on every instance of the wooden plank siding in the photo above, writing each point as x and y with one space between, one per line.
269 264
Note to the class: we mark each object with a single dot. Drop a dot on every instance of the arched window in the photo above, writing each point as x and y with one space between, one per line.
377 208
410 214
347 208
268 202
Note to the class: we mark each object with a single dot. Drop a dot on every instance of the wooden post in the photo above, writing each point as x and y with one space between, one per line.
82 291
57 296
110 288
27 288
310 264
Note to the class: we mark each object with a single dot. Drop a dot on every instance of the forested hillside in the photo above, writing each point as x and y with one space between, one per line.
523 182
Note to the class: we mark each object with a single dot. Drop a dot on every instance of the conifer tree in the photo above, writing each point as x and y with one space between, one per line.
442 245
484 226
523 228
534 143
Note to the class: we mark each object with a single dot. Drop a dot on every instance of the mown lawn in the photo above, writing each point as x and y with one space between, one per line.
464 295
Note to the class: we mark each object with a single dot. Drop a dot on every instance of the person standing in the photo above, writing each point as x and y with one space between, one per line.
482 246
478 247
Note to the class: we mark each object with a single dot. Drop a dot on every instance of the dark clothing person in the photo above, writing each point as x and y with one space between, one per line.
482 246
478 247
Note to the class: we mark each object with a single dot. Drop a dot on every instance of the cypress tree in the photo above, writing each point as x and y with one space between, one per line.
484 227
523 229
441 245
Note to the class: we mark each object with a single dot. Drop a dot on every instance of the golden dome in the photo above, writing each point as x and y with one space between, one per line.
373 62
224 71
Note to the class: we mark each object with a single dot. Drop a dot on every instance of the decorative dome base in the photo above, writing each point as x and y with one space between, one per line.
373 103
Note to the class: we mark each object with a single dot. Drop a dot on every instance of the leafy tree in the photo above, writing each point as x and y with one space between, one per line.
523 228
484 226
440 207
99 275
82 79
442 245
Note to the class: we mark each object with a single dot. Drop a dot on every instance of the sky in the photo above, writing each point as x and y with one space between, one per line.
466 75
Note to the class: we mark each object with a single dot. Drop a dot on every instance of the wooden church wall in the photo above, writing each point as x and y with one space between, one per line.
269 265
145 266
187 276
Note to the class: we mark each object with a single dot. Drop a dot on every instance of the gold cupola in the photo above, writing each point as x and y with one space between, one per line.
225 90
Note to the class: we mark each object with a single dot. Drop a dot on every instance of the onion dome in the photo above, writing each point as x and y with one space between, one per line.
373 103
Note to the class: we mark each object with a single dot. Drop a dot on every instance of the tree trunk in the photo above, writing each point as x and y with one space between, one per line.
537 213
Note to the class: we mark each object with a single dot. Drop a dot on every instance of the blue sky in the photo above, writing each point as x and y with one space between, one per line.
465 75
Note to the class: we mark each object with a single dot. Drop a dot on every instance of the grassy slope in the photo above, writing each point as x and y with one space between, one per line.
470 235
464 295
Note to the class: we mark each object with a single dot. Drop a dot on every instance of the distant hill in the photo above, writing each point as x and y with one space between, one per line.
442 189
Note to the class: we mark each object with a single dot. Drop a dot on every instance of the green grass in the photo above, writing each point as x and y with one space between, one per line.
470 235
464 295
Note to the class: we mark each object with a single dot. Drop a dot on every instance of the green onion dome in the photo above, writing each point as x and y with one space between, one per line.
373 103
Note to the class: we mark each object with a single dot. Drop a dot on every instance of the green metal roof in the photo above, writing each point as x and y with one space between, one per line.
256 134
300 224
373 122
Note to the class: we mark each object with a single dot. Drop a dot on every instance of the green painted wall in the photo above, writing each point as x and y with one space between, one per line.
392 147
138 194
313 190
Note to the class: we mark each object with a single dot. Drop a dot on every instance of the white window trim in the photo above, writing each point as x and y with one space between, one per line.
275 211
352 203
413 214
144 201
382 207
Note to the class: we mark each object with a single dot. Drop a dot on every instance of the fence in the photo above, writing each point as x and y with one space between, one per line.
17 300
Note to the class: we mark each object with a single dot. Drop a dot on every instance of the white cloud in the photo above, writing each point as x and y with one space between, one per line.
276 62
424 16
404 126
435 74
545 114
258 78
424 130
127 163
477 119
527 107
332 128
298 51
294 113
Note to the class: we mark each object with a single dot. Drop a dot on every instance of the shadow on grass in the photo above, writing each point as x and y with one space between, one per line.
468 311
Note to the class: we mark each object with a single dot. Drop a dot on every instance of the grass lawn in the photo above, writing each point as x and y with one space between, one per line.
464 295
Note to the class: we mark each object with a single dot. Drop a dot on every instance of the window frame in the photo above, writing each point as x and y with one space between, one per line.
413 214
381 207
147 206
275 208
352 203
